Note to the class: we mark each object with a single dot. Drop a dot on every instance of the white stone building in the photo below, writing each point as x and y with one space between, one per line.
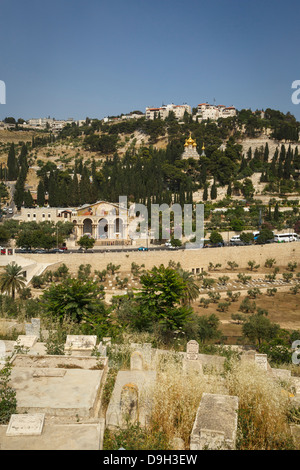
213 112
164 111
54 124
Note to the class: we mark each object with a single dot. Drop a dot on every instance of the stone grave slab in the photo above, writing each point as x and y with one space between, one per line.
26 341
47 372
76 391
140 383
282 374
79 436
25 424
63 362
215 426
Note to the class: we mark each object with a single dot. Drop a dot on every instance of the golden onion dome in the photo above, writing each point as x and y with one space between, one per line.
190 141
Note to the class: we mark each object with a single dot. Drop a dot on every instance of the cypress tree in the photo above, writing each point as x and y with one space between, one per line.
205 193
74 193
276 212
12 165
52 187
229 189
213 191
22 160
41 194
266 153
28 199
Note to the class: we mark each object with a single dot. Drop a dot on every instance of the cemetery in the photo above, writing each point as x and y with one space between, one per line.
60 397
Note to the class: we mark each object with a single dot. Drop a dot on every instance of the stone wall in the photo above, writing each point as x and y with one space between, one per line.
189 259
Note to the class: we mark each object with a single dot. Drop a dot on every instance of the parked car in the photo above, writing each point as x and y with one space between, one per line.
237 243
56 250
142 248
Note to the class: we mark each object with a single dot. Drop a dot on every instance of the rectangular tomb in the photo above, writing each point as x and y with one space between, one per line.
57 392
215 425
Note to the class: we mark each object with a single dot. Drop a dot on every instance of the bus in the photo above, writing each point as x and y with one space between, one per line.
285 237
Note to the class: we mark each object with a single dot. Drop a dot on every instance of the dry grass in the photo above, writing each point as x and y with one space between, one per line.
263 408
177 395
263 404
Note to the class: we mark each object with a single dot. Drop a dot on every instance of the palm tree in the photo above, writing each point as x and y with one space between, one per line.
12 279
191 289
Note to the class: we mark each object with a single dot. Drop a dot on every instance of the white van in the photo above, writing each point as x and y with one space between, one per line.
235 238
285 237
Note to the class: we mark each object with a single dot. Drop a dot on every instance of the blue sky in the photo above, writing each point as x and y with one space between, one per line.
69 58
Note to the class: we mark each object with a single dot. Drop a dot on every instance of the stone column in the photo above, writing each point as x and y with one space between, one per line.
95 231
80 230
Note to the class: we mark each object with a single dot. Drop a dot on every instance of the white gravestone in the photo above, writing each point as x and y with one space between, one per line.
262 361
136 361
107 340
102 349
81 342
33 328
192 350
26 424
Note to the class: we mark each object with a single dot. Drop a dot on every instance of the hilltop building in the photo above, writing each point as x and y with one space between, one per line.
164 111
212 112
50 123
